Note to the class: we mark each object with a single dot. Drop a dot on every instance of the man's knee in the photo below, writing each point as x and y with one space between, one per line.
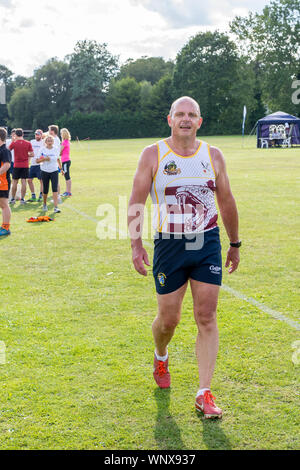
206 319
168 322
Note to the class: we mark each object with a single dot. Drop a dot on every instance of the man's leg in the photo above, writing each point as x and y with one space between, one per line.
6 213
163 328
23 188
14 188
205 298
168 317
31 185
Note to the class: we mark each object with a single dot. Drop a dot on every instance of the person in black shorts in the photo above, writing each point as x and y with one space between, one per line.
5 161
50 164
35 170
183 176
23 151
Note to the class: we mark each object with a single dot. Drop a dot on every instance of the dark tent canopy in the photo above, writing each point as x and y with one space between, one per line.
286 125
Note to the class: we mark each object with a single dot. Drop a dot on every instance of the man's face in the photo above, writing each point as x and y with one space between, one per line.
13 136
38 137
185 119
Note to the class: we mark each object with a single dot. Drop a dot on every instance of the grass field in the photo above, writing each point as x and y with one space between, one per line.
76 319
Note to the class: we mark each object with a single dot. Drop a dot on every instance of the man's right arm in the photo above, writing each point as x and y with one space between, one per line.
141 188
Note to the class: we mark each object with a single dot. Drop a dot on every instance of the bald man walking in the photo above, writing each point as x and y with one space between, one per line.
183 175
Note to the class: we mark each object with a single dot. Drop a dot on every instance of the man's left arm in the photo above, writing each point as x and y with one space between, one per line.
227 207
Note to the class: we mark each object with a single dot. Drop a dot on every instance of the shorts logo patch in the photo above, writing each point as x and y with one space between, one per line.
215 269
171 169
162 279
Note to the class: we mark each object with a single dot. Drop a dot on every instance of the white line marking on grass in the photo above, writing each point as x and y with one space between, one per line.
230 290
83 214
264 308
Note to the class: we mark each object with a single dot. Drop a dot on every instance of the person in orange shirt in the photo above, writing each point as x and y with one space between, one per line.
5 160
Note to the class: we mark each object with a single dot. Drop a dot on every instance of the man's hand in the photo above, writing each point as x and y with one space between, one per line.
233 259
139 258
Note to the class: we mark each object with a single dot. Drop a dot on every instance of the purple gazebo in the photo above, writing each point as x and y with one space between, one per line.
285 125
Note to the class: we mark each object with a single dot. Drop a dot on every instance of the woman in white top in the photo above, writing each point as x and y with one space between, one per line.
49 171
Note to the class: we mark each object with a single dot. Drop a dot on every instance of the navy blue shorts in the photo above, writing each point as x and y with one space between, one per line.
35 172
176 260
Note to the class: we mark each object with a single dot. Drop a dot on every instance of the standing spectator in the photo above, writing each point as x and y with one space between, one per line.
8 142
50 164
65 159
23 151
53 130
35 170
5 160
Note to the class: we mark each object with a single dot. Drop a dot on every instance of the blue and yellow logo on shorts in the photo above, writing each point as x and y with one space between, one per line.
162 279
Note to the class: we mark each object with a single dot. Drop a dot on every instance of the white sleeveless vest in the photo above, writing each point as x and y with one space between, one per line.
183 191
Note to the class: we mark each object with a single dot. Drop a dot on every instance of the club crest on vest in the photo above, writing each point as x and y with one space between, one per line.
171 169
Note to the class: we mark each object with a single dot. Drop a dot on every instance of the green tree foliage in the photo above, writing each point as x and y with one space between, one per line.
11 82
160 102
51 92
20 108
271 40
124 95
150 69
108 125
92 67
145 95
6 80
88 93
208 69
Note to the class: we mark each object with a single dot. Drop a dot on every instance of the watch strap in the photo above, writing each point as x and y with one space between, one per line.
236 245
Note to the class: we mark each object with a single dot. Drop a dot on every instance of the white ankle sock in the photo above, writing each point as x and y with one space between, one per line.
161 358
201 391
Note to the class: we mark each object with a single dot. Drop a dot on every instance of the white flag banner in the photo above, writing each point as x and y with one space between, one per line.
244 118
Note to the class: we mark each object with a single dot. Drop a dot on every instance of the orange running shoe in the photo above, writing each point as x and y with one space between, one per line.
205 403
161 373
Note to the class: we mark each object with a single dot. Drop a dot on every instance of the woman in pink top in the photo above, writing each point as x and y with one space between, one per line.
65 159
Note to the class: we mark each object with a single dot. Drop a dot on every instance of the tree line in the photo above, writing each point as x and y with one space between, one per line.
254 64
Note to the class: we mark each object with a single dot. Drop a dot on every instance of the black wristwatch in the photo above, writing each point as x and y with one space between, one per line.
236 245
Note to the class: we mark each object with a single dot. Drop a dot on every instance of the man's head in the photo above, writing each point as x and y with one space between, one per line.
53 130
13 134
19 133
184 117
38 135
3 135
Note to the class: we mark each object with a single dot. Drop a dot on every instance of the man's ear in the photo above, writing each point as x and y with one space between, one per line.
200 122
169 119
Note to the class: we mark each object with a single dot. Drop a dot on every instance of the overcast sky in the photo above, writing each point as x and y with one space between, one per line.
33 31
